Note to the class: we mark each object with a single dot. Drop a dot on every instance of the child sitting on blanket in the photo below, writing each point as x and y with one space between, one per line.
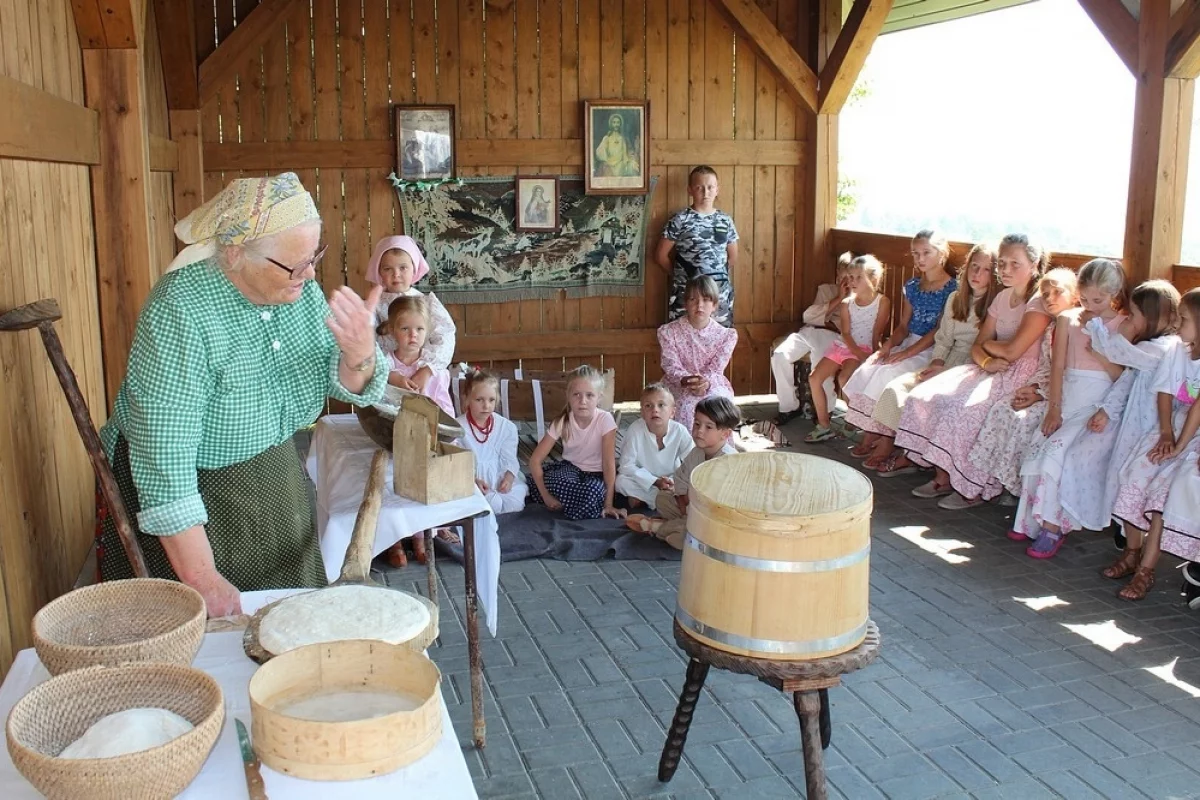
652 449
716 418
582 485
494 442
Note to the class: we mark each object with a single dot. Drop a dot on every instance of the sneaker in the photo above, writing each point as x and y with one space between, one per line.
808 413
1046 545
1008 500
956 502
1191 585
819 434
784 417
929 490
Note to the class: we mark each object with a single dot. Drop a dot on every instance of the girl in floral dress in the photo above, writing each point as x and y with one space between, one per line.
696 351
908 348
1078 382
943 416
1010 428
1129 411
1146 477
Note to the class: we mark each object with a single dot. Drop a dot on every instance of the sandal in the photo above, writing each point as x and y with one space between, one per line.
862 452
892 467
819 434
395 555
418 547
1046 545
931 489
1140 586
1017 536
1127 564
448 536
640 523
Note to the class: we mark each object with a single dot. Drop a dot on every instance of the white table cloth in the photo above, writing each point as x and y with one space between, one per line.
339 461
442 773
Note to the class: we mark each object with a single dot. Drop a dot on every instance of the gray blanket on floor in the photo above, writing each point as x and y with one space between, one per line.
537 532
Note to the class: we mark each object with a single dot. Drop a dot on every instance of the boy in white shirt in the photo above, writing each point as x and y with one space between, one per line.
651 450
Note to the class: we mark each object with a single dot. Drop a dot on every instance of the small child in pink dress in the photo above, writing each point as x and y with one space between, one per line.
696 350
408 324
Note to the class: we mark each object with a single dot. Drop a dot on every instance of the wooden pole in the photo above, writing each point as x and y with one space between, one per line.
821 172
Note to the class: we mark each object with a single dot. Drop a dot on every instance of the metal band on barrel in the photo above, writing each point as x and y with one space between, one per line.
775 565
807 647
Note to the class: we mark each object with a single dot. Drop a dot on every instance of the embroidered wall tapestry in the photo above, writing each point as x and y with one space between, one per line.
466 230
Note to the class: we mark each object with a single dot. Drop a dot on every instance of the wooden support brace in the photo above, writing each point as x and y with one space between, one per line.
164 154
188 183
47 127
175 23
796 74
1118 26
1183 51
850 51
108 23
231 54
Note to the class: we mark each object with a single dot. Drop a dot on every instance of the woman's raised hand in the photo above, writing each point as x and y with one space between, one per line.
352 322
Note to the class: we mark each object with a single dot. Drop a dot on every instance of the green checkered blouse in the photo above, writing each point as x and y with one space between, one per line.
215 380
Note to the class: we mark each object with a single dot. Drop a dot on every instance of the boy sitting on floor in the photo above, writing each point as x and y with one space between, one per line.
712 428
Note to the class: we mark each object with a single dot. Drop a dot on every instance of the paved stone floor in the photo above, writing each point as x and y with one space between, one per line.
998 677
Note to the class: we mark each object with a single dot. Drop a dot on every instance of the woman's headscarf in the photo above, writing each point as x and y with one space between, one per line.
405 243
245 210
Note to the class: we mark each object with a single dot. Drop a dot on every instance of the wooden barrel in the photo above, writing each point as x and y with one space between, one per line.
776 560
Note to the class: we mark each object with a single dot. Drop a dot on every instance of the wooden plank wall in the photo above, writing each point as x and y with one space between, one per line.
517 71
47 499
162 192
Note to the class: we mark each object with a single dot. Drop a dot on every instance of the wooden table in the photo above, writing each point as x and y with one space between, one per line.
808 682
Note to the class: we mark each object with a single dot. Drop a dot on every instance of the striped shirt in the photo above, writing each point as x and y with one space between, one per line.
215 380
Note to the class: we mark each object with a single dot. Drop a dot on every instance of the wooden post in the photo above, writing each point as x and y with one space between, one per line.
1159 158
114 87
187 133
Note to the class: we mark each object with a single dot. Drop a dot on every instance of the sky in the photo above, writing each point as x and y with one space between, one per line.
1019 119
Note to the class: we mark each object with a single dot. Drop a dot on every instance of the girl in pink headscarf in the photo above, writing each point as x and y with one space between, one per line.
396 265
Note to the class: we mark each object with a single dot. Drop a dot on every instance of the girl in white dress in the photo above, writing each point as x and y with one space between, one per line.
1146 477
494 442
1078 382
652 449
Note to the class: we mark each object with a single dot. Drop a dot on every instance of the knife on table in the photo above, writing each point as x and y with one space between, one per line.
254 780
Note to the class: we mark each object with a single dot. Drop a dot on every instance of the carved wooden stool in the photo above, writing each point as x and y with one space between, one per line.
808 681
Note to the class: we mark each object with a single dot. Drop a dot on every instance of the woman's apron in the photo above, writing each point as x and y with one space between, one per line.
260 523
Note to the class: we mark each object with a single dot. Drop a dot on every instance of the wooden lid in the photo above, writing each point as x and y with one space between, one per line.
774 484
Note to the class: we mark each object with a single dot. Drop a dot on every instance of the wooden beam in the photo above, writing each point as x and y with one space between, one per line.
767 39
230 56
164 155
814 264
1183 51
850 51
44 127
188 183
381 153
175 22
1185 278
113 24
1118 26
1162 114
120 201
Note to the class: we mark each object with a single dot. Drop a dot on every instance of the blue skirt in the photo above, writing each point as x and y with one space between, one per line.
581 493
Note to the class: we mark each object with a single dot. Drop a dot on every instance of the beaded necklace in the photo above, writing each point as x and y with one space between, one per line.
486 430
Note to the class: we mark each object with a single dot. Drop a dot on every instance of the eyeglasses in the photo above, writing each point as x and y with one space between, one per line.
303 265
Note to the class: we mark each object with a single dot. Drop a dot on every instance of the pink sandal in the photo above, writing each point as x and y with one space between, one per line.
1046 545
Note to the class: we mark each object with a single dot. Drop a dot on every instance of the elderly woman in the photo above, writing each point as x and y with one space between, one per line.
235 350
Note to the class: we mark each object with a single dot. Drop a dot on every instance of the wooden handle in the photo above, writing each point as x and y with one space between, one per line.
254 781
30 316
357 565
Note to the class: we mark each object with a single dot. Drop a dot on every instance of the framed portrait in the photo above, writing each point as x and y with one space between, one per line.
616 147
424 142
537 203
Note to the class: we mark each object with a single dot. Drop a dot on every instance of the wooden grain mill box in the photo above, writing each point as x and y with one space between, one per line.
425 469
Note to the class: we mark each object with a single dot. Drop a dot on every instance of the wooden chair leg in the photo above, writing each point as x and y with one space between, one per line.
697 671
808 709
430 563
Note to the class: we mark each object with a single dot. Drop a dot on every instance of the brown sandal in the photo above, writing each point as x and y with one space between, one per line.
1125 565
396 557
418 547
1140 586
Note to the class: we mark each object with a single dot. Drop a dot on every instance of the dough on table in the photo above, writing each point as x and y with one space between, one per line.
342 612
127 732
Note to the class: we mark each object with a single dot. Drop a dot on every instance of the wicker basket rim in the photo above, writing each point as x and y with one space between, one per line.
81 596
89 672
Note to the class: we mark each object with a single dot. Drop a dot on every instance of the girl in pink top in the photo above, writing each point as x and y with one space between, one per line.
696 350
407 325
583 483
943 416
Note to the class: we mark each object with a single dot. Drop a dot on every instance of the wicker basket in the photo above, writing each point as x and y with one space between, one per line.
59 711
120 622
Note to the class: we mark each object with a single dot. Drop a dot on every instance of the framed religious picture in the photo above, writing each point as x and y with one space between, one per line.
424 142
616 147
537 203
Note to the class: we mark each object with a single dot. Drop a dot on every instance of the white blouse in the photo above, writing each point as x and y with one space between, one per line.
497 455
642 462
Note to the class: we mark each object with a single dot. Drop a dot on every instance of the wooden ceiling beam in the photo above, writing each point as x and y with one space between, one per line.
767 39
1118 27
1183 51
850 51
231 54
175 22
113 24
